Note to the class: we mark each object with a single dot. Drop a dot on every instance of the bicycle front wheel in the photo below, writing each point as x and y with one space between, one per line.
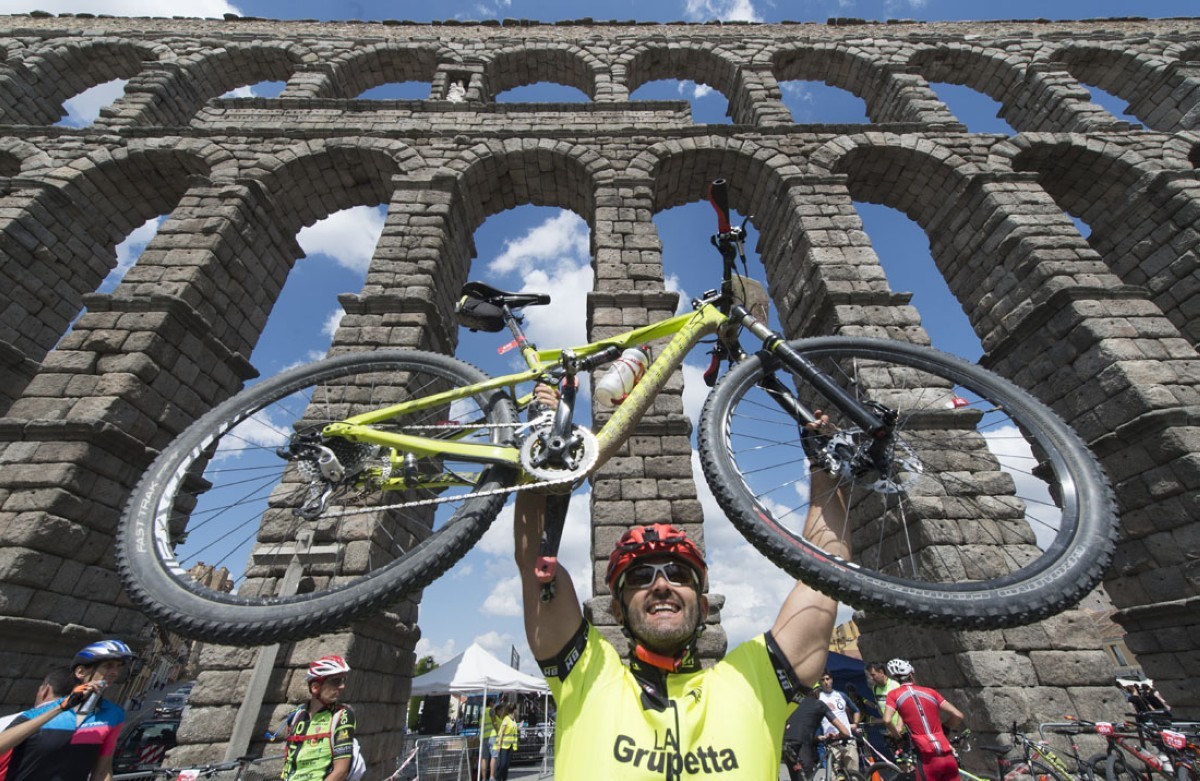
251 527
984 510
1117 769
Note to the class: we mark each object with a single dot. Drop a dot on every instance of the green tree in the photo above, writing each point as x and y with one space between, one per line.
423 665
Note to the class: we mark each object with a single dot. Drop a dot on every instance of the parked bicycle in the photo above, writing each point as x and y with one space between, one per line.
363 477
1146 749
240 769
830 768
1038 760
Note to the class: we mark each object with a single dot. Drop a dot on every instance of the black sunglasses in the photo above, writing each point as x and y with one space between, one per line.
643 575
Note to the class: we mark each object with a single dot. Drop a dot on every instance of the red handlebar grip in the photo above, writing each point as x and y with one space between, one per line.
718 196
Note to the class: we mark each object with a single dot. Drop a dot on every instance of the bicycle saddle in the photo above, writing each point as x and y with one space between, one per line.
493 296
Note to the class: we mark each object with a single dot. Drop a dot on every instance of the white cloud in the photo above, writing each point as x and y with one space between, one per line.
673 284
701 90
574 553
724 10
84 108
259 430
562 323
332 322
130 250
559 241
348 237
796 90
195 8
903 6
498 643
240 92
505 599
552 257
1016 458
441 653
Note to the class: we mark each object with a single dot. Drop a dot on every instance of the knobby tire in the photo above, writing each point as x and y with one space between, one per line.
381 534
754 464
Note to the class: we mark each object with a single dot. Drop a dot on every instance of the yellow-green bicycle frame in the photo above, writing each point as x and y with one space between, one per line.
686 331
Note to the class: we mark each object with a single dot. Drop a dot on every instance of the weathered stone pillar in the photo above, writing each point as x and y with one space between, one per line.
403 304
837 286
1062 326
140 365
650 478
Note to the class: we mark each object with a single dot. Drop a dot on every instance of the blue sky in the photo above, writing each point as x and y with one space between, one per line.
546 249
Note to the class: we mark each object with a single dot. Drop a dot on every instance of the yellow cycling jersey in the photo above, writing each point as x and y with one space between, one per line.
637 722
506 735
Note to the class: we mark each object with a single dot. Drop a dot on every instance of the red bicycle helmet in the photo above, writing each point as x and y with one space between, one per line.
656 539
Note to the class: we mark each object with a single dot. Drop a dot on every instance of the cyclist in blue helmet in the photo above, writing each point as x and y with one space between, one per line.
72 738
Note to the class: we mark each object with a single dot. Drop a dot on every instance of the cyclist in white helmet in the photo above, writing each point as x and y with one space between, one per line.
320 735
923 711
72 738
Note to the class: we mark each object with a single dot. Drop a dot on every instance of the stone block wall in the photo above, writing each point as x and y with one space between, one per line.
1102 328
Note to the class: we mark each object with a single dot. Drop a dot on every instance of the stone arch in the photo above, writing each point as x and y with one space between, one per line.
1140 217
498 175
873 163
890 94
758 177
992 72
928 183
213 72
681 175
713 66
1129 74
63 68
84 210
559 63
358 71
21 157
495 176
312 179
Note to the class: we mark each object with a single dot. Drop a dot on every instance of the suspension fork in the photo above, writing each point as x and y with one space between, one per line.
878 424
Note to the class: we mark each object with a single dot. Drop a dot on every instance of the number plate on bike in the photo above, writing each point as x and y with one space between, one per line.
1104 728
1175 740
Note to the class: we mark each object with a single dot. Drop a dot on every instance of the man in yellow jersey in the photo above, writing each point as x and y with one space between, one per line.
663 717
488 723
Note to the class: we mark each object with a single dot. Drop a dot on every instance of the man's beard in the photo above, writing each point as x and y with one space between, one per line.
668 640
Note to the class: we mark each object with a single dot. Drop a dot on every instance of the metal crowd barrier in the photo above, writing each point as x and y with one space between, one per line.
436 758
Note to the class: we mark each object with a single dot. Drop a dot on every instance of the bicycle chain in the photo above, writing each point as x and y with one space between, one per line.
540 484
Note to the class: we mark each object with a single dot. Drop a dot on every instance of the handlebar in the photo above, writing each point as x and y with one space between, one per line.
718 196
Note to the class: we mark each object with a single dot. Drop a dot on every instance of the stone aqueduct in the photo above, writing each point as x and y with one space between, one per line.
1102 328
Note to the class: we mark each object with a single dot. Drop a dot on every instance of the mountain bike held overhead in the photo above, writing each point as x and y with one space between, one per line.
365 476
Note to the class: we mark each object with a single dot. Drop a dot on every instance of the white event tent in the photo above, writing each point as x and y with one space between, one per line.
476 671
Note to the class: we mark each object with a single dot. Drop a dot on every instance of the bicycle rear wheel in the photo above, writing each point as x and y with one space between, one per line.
250 527
986 510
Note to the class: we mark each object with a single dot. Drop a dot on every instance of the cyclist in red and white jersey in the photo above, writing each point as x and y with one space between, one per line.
923 711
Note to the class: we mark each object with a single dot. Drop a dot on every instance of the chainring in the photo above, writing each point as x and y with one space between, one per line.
581 455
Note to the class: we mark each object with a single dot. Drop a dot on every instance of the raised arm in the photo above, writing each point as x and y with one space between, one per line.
548 625
805 623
